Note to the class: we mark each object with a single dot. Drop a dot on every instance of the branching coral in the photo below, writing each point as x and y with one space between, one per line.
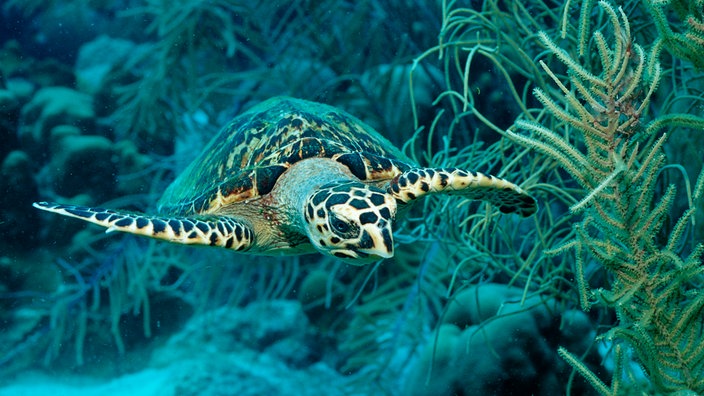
486 56
602 126
605 145
218 57
683 37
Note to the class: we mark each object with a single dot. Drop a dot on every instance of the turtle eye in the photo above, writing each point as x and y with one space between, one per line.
341 227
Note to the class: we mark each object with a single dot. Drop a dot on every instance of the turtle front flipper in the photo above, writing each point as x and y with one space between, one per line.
219 231
508 197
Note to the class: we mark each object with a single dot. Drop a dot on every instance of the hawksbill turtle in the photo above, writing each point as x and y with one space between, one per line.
291 176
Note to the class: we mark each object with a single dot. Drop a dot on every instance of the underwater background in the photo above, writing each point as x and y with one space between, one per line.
595 108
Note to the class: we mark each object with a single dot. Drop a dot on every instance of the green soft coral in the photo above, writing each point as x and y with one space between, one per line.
680 24
654 289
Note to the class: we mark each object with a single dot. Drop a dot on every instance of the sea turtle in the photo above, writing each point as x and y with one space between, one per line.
291 176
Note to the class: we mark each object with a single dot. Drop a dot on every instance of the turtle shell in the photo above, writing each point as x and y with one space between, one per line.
245 159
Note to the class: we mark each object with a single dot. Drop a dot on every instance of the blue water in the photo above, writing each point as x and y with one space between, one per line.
105 103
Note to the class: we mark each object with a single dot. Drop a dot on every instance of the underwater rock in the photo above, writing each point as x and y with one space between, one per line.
264 348
15 93
51 73
59 29
314 291
261 349
18 220
21 88
131 167
97 59
314 287
49 108
251 374
106 66
24 271
243 374
46 71
11 58
277 328
476 304
82 164
9 114
490 343
8 102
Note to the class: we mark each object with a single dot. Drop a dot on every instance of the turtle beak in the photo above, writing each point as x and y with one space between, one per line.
376 243
377 240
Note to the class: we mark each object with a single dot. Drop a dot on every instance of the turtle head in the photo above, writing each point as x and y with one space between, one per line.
351 221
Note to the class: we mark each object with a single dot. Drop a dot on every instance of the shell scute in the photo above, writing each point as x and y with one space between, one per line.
267 177
246 158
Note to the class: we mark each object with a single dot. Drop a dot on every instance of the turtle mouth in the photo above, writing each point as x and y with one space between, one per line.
361 256
373 243
378 254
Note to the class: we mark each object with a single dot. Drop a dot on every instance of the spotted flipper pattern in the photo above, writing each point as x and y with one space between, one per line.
508 197
219 231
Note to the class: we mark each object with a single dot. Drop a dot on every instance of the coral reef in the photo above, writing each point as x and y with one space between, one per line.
491 342
596 109
242 355
616 156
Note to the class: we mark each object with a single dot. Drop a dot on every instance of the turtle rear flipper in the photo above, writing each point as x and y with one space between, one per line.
220 231
508 197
